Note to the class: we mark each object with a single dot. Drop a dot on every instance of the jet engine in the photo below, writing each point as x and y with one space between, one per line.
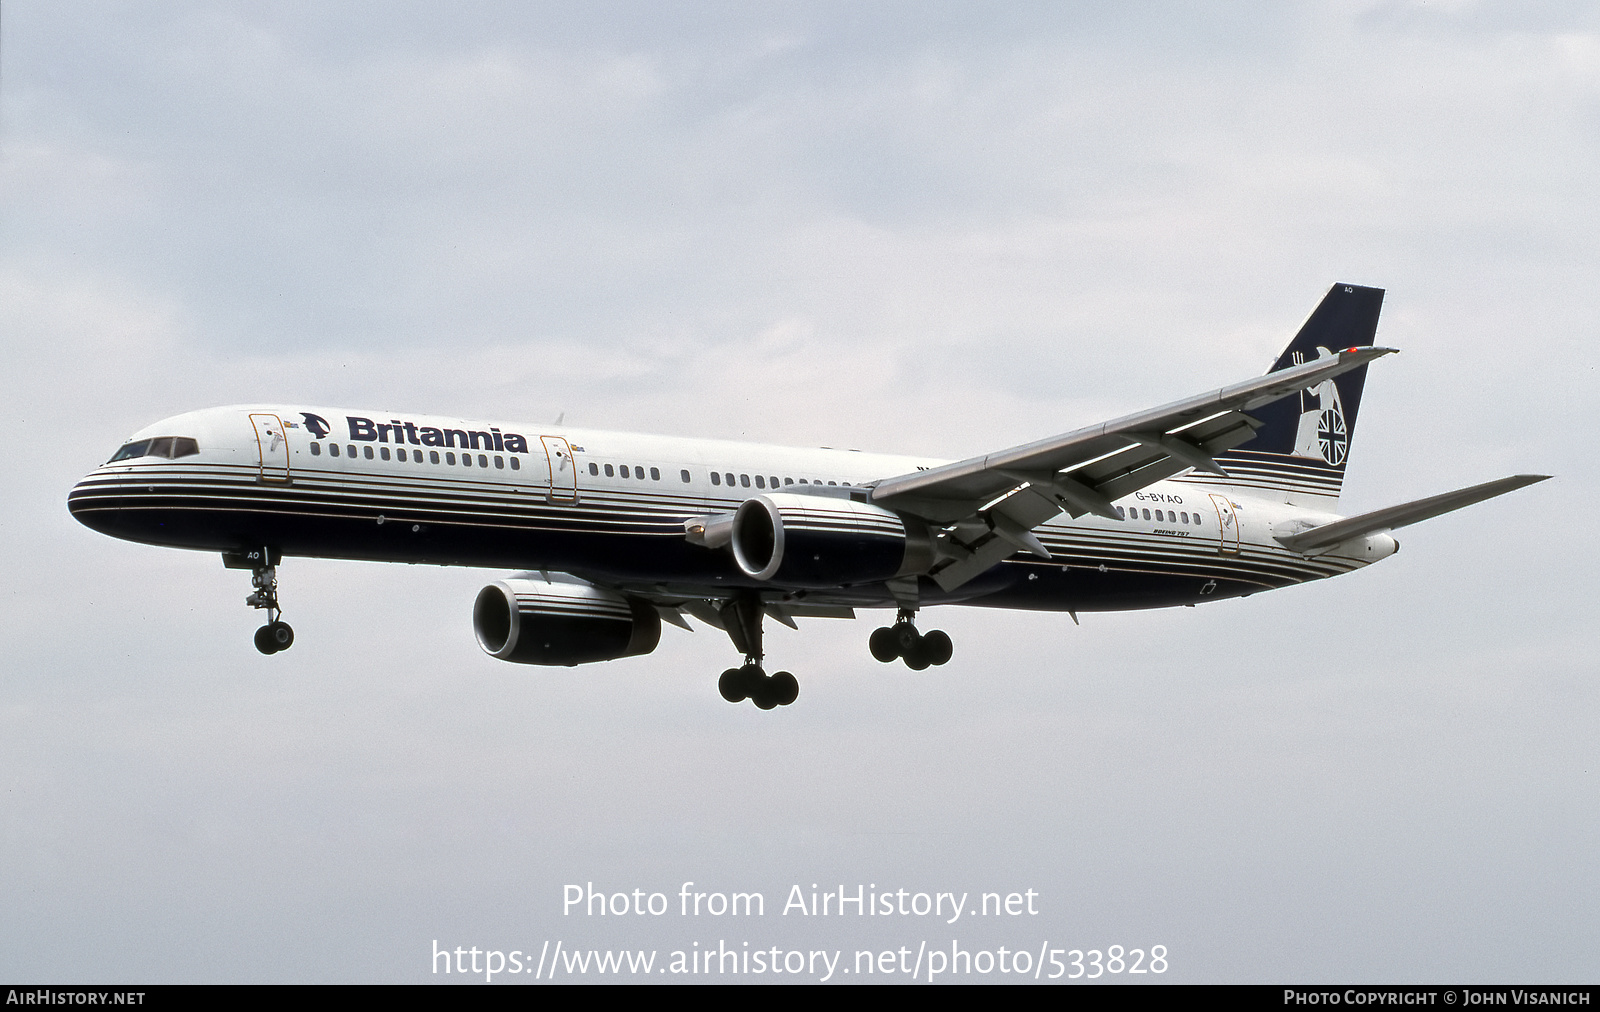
538 621
820 541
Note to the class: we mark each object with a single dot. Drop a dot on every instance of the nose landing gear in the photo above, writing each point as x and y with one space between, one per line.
276 635
903 641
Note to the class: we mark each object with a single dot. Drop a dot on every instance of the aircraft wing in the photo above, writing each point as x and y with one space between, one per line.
1326 536
997 499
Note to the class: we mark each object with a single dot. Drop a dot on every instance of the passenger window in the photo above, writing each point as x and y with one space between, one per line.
350 449
1147 514
1121 515
655 474
449 458
515 464
728 477
399 455
610 471
773 480
483 460
433 457
466 460
788 481
594 468
333 449
368 451
833 483
716 478
1197 521
316 449
685 475
1184 516
744 479
500 463
761 482
383 451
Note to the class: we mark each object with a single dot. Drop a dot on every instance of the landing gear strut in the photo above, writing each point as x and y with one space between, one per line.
902 640
742 618
276 634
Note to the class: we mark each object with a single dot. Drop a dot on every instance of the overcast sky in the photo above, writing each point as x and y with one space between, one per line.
934 229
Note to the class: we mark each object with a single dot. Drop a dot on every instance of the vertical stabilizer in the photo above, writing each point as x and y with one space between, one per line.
1303 444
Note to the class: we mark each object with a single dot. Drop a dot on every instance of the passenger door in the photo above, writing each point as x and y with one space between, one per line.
273 446
1228 525
563 471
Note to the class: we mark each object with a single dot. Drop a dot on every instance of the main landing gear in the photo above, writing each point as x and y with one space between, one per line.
742 618
902 640
276 634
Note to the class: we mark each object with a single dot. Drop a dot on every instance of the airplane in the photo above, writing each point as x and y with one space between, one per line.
1219 495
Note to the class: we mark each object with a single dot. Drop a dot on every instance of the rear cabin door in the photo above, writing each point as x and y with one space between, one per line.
563 472
1227 524
273 446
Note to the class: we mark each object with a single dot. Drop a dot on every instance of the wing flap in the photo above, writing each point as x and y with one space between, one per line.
1146 464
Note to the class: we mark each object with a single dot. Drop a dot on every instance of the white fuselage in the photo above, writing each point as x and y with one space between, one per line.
613 506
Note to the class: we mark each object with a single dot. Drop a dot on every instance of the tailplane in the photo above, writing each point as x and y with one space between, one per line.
1322 538
1304 440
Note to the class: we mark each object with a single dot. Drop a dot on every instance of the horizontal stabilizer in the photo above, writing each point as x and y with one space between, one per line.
1395 517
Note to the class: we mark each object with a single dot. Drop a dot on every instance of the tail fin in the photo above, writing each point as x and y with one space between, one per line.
1303 444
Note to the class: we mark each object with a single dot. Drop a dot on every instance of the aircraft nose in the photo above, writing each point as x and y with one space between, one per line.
93 505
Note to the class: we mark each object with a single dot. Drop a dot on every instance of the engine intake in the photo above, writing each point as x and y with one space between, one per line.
820 541
539 622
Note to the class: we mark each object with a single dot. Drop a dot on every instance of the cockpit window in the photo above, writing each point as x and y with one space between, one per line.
131 450
170 447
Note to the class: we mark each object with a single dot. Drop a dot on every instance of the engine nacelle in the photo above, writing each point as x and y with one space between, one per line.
820 541
539 622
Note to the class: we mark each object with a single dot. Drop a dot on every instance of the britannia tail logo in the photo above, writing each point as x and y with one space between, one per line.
1321 433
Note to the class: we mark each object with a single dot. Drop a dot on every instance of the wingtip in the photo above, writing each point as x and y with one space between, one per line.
1371 352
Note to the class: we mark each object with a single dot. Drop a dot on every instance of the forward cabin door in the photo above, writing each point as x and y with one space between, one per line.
1227 523
273 446
563 472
